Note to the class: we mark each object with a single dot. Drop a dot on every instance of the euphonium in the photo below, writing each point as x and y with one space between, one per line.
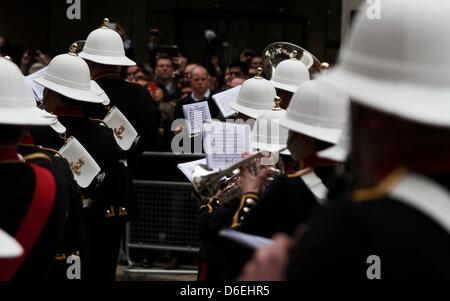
277 52
224 184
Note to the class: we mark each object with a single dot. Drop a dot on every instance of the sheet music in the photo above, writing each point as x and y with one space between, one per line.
225 143
188 168
196 114
250 241
38 90
224 99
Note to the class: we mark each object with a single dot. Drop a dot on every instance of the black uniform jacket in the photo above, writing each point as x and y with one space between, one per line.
101 145
286 204
17 185
135 102
68 187
340 239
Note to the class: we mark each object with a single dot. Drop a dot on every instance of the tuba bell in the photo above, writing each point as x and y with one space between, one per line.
277 52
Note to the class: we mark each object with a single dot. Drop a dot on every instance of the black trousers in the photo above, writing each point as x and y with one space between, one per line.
100 246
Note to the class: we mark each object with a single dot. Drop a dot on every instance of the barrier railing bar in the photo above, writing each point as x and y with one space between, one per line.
186 249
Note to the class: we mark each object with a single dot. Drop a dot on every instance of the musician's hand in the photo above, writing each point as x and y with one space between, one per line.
269 263
250 183
179 130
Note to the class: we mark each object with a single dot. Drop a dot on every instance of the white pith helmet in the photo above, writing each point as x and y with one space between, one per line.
290 74
69 75
398 63
255 97
17 104
9 247
267 134
105 46
341 150
317 110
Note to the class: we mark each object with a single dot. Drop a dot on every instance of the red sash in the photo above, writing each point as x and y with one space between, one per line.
36 218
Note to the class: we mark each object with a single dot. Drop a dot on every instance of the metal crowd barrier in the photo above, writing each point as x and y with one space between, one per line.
168 214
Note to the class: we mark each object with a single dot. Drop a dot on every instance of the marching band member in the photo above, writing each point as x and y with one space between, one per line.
64 179
33 205
288 76
104 53
315 119
397 217
67 86
255 97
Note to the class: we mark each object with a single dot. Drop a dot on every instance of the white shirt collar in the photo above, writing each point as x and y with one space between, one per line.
207 95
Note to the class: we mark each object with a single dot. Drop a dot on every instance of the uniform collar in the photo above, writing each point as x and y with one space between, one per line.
27 140
314 162
107 75
380 190
9 155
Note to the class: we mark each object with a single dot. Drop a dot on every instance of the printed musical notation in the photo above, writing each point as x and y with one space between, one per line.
225 143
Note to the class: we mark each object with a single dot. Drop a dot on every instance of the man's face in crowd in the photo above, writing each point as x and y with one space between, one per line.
131 72
164 69
232 73
188 71
257 62
200 82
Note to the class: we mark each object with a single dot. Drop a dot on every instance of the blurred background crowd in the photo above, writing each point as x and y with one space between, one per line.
170 39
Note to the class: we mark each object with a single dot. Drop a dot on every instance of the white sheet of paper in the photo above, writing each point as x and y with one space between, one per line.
225 143
250 241
188 168
196 114
38 90
224 99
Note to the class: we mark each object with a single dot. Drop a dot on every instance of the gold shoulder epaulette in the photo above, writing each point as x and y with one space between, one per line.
51 150
37 156
248 201
381 190
99 121
300 173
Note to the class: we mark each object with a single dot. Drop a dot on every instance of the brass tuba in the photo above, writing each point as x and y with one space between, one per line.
277 52
224 184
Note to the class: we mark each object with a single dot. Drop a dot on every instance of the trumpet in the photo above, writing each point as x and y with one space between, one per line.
224 184
277 52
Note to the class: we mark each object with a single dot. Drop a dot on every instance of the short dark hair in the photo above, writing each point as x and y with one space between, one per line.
161 86
249 52
69 101
163 56
238 64
10 134
154 32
